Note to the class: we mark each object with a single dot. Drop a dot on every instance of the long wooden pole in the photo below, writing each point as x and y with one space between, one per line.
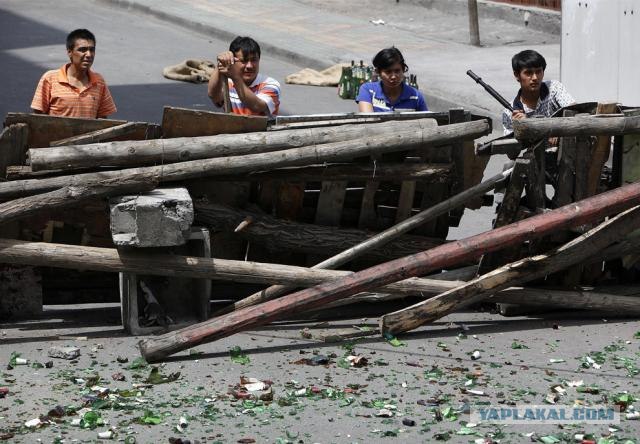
447 255
379 239
536 129
181 149
73 196
79 257
513 274
307 155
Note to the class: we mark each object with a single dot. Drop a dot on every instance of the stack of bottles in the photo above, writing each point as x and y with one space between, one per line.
355 75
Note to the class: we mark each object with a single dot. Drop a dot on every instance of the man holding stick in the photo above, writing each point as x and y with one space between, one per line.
250 92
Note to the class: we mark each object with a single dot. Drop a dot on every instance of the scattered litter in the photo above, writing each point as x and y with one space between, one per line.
475 355
155 377
108 434
253 388
33 423
384 413
314 361
238 356
15 360
182 424
4 391
377 22
119 376
64 352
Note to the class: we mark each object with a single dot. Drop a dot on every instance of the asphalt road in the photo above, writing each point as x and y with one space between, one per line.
132 50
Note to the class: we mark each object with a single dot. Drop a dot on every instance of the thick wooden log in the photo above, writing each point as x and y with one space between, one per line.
536 129
374 243
79 257
73 196
446 255
102 134
308 155
513 274
180 149
599 300
282 235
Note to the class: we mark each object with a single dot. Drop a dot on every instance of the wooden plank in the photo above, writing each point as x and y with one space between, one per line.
405 200
13 146
44 128
103 135
330 203
182 122
566 168
600 153
367 220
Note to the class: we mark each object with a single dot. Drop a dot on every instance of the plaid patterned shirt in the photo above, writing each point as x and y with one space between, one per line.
553 96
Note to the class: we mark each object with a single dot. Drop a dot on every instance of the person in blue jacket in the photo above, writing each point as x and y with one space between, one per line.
390 93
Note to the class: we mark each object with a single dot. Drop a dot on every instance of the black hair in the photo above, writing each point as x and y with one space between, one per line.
247 45
528 59
79 34
388 57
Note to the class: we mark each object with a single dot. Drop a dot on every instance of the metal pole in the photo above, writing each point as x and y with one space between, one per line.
474 27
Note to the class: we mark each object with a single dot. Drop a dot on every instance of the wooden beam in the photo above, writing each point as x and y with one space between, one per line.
72 196
180 149
447 255
103 134
513 274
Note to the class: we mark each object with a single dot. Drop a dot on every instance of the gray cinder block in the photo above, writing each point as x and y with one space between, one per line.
160 218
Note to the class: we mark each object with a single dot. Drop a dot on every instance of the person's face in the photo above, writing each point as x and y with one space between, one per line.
250 66
530 79
82 54
392 76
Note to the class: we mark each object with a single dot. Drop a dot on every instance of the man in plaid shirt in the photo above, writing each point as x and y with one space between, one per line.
536 97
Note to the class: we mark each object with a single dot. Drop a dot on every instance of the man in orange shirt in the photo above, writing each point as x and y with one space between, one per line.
74 90
250 92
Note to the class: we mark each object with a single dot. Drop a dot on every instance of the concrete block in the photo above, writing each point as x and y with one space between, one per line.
160 218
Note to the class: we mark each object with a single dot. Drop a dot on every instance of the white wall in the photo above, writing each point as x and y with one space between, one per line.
600 59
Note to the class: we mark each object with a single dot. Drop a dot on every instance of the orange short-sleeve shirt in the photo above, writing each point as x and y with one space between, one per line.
55 96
